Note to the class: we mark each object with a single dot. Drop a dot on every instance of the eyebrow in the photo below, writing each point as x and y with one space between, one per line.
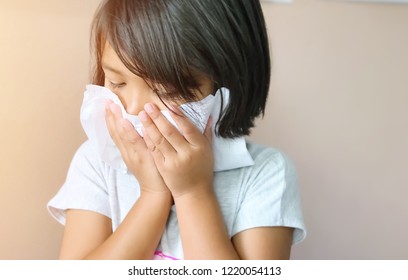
111 69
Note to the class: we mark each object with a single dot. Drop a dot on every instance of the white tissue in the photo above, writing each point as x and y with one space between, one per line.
228 153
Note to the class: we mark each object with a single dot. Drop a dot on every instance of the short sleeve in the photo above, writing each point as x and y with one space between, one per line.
272 196
85 187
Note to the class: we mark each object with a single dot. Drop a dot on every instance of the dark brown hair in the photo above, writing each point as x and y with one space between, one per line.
172 42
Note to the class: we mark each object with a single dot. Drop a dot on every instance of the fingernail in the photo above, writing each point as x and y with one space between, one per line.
143 116
149 108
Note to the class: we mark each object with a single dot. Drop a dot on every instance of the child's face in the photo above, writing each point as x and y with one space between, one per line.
132 90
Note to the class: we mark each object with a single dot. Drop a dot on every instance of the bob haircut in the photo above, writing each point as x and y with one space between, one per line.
171 43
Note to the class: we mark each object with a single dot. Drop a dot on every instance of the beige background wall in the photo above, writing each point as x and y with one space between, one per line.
338 108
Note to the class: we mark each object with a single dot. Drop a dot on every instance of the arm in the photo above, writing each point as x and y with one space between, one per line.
185 163
264 243
88 235
204 234
202 229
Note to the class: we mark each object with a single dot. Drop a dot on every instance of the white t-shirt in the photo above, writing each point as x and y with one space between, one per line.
265 194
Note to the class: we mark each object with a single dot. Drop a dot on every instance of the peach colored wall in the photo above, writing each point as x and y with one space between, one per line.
337 107
43 69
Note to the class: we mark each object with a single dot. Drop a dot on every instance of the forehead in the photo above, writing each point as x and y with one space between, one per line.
112 62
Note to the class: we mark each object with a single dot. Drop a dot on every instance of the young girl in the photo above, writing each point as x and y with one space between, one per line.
182 83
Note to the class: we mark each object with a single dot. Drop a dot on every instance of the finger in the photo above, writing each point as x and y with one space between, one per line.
190 132
157 155
129 134
122 131
111 125
116 111
158 136
167 129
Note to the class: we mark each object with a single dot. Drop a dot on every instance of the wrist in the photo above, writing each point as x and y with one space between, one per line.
200 194
154 197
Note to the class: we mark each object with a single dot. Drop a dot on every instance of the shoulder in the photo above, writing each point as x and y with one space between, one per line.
270 161
85 186
271 195
87 171
86 157
261 152
86 150
271 167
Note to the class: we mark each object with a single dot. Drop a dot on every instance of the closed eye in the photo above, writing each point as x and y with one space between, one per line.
116 85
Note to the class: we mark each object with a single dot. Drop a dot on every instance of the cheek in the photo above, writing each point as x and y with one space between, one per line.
135 99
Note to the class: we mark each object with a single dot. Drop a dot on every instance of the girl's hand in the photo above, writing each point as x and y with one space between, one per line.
184 160
134 151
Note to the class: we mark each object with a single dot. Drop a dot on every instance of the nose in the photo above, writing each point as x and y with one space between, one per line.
133 103
134 98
